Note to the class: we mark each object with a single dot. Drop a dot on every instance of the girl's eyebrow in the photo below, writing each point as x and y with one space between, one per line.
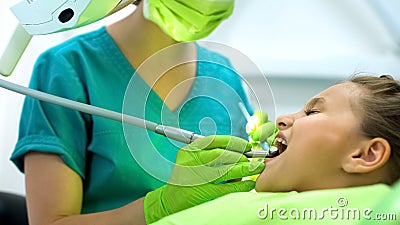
314 101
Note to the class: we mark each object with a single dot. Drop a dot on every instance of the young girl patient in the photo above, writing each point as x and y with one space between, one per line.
346 136
340 152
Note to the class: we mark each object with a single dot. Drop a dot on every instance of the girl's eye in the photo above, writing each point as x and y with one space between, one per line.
310 111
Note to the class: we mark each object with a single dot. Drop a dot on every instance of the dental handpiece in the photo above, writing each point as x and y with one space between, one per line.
267 152
170 132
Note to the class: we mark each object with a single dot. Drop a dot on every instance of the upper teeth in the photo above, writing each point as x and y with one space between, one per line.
280 140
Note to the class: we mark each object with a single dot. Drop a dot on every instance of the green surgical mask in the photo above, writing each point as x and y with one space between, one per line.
188 20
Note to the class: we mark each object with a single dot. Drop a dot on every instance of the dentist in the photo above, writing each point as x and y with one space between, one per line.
82 169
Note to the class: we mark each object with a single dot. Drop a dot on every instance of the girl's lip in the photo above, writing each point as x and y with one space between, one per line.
281 135
267 160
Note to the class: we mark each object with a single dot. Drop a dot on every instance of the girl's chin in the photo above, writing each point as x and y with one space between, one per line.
262 183
262 188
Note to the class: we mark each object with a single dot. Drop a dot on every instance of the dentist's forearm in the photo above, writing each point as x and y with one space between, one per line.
54 196
131 214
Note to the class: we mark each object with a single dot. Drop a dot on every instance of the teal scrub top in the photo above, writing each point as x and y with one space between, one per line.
120 163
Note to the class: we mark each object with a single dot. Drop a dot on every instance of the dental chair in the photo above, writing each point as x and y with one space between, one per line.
256 208
12 209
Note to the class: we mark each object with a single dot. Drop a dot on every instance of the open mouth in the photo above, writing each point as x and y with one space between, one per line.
281 144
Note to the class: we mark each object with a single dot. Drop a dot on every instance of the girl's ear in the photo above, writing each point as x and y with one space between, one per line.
372 155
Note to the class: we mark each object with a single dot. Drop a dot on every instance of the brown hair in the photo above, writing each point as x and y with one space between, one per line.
380 110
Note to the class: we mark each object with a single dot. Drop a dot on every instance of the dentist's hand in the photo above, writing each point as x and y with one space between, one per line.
199 174
260 129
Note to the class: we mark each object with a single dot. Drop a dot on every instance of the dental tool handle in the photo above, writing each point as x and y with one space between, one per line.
257 154
174 133
177 134
270 153
79 106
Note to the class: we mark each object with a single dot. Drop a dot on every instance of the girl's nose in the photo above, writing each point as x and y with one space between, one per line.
284 122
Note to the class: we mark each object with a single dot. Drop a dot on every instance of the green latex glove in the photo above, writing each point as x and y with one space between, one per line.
266 133
199 174
261 132
260 129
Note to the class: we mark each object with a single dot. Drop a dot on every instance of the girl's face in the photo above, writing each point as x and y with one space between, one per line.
314 143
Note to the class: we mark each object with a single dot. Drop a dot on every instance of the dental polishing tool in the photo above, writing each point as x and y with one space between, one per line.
170 132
